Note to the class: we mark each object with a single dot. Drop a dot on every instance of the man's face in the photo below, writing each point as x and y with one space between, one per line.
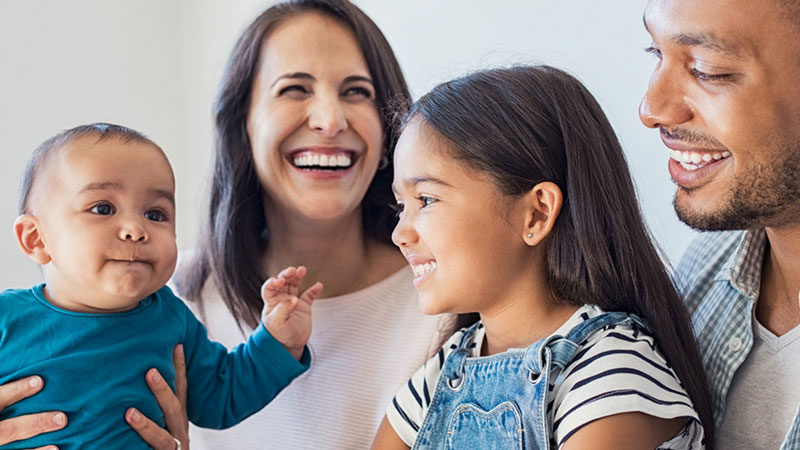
725 96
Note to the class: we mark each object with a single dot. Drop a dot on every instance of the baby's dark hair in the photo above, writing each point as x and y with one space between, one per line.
525 125
48 148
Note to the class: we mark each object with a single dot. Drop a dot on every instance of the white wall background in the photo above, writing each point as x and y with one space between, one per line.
154 65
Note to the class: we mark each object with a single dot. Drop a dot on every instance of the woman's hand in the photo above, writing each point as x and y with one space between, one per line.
176 436
23 427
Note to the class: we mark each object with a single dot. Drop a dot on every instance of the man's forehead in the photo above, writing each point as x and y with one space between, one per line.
729 27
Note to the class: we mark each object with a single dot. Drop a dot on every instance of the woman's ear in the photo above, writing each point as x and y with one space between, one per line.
29 236
542 204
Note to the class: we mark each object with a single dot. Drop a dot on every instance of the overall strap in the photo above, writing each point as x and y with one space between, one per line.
454 364
560 350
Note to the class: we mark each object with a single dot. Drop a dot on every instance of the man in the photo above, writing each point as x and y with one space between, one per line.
725 97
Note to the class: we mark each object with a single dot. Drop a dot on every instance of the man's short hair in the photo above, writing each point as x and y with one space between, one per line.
48 148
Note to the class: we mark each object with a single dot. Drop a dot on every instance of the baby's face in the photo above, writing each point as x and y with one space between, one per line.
106 212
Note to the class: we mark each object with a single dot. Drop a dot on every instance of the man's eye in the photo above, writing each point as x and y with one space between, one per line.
103 209
155 216
710 76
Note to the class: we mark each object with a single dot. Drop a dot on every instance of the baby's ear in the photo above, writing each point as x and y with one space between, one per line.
29 236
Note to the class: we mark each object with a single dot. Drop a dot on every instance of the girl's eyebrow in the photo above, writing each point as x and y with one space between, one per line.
413 181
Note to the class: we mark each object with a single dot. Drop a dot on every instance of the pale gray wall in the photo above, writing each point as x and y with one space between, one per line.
154 65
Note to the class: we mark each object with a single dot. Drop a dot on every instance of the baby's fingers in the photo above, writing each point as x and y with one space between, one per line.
271 288
311 293
283 311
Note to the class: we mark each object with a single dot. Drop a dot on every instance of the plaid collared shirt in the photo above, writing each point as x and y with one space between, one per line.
719 278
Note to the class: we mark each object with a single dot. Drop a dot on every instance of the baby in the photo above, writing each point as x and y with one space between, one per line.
98 215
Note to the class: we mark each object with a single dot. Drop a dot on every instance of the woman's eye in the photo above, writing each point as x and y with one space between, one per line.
155 216
358 91
102 209
294 89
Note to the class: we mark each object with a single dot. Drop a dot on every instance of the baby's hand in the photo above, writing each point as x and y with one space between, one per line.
286 316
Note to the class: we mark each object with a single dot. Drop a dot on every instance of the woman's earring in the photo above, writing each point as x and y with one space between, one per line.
530 235
384 162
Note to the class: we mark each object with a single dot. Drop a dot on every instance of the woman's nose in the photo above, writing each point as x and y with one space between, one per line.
327 115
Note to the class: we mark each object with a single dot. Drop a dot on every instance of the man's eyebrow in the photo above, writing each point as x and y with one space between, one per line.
705 40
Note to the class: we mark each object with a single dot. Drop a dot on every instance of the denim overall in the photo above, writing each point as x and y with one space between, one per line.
500 401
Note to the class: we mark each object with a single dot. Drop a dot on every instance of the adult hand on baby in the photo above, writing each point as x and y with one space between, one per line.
172 404
23 427
286 315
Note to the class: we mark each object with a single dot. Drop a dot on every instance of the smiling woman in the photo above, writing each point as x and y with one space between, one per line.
302 175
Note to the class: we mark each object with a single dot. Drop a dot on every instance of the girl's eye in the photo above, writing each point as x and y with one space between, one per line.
398 208
426 201
102 209
155 216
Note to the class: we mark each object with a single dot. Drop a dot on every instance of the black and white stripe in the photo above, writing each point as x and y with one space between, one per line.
616 370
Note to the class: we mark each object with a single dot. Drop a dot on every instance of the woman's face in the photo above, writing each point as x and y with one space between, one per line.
313 123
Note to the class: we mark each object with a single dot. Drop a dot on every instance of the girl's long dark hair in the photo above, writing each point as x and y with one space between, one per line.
235 238
525 125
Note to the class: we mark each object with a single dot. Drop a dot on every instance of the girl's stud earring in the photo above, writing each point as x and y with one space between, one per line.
530 235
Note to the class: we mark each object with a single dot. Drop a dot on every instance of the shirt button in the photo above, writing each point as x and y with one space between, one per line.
735 344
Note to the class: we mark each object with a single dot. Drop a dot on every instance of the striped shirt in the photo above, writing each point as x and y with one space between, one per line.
719 277
616 370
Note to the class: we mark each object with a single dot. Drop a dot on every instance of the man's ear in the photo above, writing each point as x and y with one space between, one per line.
542 205
29 236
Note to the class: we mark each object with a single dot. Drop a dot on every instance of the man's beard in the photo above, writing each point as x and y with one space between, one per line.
767 196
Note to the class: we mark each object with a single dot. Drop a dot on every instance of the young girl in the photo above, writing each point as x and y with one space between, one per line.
516 203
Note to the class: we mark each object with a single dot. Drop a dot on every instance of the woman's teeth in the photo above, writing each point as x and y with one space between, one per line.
313 160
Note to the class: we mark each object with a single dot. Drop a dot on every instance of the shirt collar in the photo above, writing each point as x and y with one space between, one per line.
743 268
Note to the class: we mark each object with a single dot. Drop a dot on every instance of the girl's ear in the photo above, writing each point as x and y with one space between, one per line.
542 205
29 236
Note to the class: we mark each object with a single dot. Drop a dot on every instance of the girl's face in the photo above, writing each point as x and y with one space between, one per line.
313 123
462 237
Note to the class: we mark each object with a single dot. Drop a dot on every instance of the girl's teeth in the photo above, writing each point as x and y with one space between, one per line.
422 269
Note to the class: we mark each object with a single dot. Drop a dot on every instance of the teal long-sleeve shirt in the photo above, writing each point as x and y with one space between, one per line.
94 366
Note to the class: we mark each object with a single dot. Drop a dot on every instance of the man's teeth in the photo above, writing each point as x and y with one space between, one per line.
695 160
322 160
422 269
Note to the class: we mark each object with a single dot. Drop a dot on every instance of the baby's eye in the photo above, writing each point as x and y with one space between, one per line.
102 209
155 216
